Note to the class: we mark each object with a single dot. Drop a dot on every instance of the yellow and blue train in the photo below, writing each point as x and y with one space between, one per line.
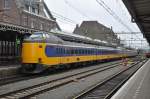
41 51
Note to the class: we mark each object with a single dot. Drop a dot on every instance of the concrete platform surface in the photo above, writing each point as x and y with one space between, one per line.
6 71
138 87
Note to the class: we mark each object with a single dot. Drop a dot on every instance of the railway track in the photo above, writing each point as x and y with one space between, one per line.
107 88
17 78
49 85
20 77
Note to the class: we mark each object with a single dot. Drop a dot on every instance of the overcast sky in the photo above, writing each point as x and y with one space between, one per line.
80 10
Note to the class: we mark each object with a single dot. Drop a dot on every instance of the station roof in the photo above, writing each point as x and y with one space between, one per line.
140 12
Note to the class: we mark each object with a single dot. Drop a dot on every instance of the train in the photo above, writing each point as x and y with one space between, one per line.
42 51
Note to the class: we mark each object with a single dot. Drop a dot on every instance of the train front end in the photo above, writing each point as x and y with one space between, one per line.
32 49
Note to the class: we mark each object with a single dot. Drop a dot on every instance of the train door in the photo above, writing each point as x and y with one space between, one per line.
63 57
58 55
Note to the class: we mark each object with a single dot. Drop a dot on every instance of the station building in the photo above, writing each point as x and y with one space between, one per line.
27 13
95 30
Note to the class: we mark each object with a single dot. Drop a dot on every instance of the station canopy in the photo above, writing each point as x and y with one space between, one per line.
140 12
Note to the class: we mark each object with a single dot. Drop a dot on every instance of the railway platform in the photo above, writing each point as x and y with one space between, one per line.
6 71
138 86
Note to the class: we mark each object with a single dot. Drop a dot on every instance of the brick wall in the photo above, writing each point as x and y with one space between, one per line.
18 16
96 30
9 14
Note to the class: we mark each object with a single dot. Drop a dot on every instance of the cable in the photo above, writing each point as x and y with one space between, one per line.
63 18
76 9
65 22
113 14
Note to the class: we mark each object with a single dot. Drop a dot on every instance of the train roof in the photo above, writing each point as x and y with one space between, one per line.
55 39
81 39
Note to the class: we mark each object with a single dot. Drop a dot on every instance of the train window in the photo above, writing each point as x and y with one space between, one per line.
83 51
87 51
68 51
47 36
80 51
102 52
44 36
90 51
60 51
71 51
93 51
36 36
57 50
63 50
77 51
106 52
99 52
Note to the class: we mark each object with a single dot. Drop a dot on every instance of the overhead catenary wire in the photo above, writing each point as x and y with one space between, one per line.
77 10
63 18
66 20
114 15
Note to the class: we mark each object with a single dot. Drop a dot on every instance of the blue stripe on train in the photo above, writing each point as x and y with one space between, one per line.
54 51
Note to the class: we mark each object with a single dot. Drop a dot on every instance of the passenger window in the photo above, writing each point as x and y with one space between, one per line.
65 51
72 51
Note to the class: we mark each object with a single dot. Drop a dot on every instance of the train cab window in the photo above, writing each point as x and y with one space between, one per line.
35 36
44 36
47 36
